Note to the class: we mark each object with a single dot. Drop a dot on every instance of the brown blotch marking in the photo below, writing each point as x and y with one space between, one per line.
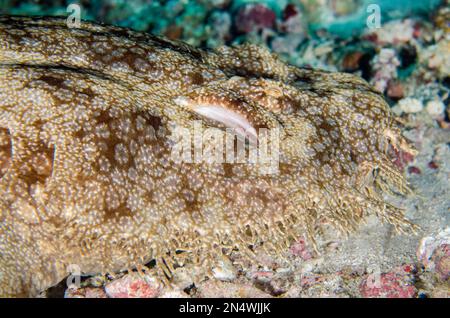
228 170
53 81
41 165
88 91
321 156
353 157
112 140
326 126
259 194
130 59
5 151
194 205
197 78
115 214
44 161
153 121
79 134
287 105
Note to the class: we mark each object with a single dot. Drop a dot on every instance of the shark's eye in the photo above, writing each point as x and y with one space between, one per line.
228 117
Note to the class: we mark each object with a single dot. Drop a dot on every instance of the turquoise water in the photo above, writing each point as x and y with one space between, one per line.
194 17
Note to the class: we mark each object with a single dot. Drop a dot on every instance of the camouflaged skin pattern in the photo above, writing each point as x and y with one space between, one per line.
86 173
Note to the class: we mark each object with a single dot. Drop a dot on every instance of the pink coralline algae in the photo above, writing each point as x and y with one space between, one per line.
292 20
311 279
414 170
254 17
301 249
434 254
394 284
133 286
385 67
402 158
442 261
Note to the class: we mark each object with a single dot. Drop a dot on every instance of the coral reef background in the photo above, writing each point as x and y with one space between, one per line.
406 57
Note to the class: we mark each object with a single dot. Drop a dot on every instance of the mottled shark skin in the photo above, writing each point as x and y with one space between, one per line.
87 175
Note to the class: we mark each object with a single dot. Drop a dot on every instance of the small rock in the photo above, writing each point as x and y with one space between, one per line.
443 124
434 254
410 105
183 277
435 108
351 61
394 284
395 90
384 66
88 292
414 170
393 32
441 258
436 57
225 270
429 244
254 17
133 286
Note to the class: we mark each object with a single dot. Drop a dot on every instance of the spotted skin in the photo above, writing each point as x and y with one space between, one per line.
87 175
